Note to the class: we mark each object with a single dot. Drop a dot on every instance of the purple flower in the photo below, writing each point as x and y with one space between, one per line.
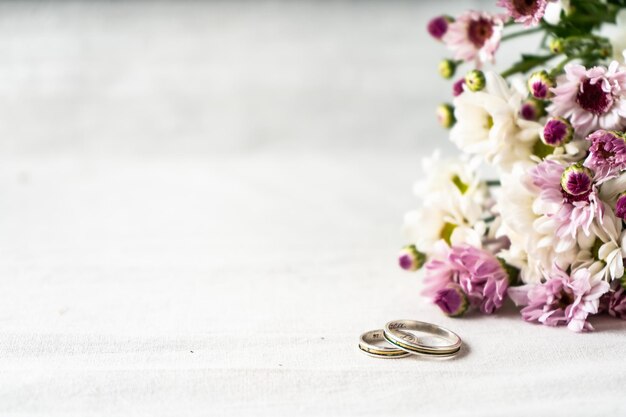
539 85
592 98
614 303
620 207
607 154
479 274
562 299
576 182
451 300
482 277
439 271
475 36
528 12
570 199
438 26
457 87
557 132
531 110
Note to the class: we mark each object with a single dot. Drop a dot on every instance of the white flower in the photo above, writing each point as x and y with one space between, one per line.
611 189
618 37
553 11
573 151
488 124
453 202
604 248
533 235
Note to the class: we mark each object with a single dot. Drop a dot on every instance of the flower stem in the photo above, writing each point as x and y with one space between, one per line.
493 183
521 33
559 68
526 64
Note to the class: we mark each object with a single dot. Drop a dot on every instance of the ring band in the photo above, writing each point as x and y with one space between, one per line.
366 344
395 333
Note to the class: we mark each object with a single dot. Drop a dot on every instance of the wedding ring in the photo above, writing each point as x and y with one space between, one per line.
368 346
395 332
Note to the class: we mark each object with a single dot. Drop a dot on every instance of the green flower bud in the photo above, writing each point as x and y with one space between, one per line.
533 109
539 85
410 259
577 181
475 80
557 46
557 132
452 300
445 115
447 68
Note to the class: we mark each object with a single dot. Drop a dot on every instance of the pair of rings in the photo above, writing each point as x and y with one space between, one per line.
403 343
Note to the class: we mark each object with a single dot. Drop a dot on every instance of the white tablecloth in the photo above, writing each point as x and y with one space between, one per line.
200 209
239 286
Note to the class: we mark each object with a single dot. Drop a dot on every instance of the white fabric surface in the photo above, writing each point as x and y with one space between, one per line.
199 214
239 286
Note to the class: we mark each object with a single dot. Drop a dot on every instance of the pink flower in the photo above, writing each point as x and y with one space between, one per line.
439 271
475 36
614 303
479 274
528 12
451 300
607 154
482 277
592 99
562 299
620 207
569 197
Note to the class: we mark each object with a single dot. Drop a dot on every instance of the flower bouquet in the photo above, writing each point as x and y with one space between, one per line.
548 231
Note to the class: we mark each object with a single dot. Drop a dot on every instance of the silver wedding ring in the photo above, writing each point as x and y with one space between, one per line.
395 332
370 345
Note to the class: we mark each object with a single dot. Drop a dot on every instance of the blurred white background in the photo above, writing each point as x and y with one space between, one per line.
187 77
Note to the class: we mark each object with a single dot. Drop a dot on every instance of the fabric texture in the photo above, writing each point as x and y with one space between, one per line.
231 286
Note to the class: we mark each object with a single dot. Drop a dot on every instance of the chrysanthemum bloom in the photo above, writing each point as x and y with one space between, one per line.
602 252
453 201
452 300
482 277
562 299
591 99
607 154
528 12
527 222
557 132
539 85
614 303
489 124
569 198
475 36
438 26
439 271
